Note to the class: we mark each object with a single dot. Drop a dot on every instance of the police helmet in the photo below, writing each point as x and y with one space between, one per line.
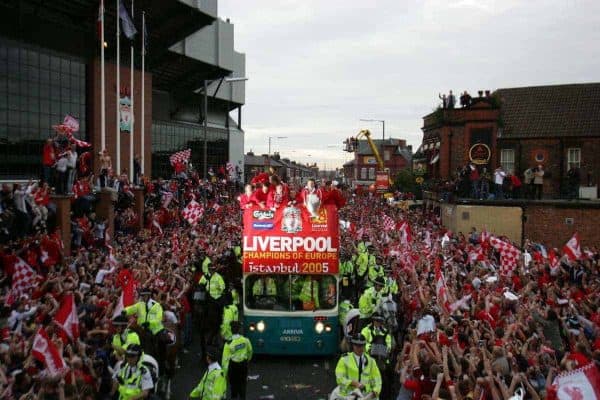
212 353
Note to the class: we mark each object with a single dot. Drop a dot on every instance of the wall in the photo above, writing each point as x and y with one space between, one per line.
94 128
546 222
504 221
555 152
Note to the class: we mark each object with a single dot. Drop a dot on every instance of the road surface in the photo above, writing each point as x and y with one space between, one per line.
270 377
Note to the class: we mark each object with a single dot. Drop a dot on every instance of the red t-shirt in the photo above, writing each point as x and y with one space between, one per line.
48 156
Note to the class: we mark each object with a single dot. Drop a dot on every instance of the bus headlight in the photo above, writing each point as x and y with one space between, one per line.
260 326
319 327
327 328
252 327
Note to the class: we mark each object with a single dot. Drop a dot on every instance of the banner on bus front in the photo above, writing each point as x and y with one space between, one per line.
291 241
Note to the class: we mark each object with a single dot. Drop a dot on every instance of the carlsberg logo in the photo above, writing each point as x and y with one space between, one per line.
263 214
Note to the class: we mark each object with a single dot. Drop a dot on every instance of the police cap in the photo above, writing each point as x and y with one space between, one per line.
377 317
359 340
133 350
145 290
379 281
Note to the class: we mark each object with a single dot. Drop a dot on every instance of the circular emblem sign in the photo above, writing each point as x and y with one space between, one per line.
479 154
419 180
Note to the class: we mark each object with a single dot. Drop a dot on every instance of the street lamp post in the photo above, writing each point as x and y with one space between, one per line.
274 137
205 112
377 120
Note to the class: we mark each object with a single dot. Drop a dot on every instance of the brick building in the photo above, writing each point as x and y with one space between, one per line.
518 128
396 155
291 172
50 66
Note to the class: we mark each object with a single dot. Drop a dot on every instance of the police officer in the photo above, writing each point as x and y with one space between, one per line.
236 355
357 370
215 286
309 294
230 315
369 301
149 316
375 270
213 385
379 346
348 278
123 337
264 291
133 380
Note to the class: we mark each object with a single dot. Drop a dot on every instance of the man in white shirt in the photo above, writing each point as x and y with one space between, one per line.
499 176
71 168
61 170
17 316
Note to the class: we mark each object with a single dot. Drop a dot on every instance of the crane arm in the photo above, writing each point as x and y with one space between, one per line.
367 135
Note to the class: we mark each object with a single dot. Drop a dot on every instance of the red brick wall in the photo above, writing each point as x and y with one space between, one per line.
94 117
546 224
525 150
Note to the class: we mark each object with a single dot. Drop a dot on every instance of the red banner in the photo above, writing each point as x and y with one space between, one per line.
382 181
291 241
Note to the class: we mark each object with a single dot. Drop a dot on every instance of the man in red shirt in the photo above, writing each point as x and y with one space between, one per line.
48 160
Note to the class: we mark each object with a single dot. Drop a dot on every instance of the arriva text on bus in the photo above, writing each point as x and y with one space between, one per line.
285 243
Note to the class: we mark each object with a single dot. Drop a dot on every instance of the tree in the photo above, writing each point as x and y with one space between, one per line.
405 181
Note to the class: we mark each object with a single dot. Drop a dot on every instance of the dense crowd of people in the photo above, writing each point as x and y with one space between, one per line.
466 326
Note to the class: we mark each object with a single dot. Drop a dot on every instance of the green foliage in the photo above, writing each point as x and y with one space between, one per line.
405 181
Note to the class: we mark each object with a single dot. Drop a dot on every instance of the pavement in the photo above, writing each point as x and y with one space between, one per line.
269 377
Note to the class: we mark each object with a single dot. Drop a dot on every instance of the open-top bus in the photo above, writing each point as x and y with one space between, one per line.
290 280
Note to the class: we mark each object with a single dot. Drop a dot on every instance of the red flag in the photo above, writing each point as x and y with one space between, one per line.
572 248
405 233
441 289
388 223
127 297
509 255
582 383
180 156
50 251
46 352
23 276
192 212
66 317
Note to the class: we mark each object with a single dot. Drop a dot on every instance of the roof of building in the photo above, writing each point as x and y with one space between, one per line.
551 111
251 159
365 150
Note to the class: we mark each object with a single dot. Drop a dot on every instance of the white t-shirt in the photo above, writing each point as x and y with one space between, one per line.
499 177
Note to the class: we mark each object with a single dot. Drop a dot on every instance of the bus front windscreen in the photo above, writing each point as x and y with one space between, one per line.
291 292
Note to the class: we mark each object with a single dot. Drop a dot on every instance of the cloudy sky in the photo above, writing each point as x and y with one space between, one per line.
317 66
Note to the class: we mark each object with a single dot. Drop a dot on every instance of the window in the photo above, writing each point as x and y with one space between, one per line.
574 157
280 292
386 155
371 173
32 85
507 159
363 173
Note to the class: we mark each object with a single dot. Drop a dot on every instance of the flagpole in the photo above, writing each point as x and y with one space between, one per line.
118 66
102 83
132 108
143 122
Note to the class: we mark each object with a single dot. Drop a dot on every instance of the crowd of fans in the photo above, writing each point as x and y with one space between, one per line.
488 335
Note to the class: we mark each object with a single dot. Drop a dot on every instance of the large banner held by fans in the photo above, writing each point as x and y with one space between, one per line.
290 241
